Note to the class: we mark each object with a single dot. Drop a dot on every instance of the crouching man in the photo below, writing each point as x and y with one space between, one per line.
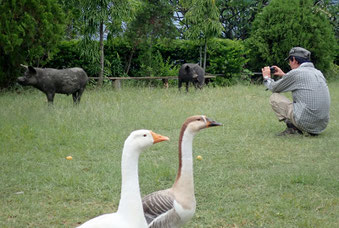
309 110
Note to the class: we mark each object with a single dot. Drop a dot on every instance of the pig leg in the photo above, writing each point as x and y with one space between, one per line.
77 95
50 98
187 85
179 85
195 83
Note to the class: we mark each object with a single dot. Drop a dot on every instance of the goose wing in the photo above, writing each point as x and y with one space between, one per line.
169 219
157 204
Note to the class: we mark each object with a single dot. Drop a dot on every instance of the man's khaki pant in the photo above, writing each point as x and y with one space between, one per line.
282 107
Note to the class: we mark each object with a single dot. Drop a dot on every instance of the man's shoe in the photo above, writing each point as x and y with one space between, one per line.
290 131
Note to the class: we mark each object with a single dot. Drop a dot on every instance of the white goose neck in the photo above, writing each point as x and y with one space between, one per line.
130 201
187 145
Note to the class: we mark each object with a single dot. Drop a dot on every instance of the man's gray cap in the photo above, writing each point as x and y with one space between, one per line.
300 52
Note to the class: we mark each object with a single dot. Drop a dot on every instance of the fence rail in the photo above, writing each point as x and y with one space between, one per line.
117 80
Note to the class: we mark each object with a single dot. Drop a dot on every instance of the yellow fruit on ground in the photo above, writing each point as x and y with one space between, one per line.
199 157
69 158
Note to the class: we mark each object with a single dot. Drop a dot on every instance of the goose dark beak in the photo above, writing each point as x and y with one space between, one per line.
212 123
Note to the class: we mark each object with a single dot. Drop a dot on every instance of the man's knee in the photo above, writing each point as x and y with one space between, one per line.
274 98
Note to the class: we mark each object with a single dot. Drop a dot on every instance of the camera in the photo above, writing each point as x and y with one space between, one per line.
272 69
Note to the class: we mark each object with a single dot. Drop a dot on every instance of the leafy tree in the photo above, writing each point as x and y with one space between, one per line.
97 18
153 20
29 33
73 24
237 16
331 9
203 20
287 23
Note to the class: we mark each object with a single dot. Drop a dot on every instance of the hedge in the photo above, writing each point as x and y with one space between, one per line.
226 57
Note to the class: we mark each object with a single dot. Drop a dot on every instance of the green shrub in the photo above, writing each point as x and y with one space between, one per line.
284 24
225 57
69 56
179 51
116 67
333 73
29 33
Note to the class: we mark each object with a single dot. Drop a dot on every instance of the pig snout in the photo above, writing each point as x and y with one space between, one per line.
21 80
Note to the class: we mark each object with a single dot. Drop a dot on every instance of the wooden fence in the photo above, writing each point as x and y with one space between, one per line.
116 81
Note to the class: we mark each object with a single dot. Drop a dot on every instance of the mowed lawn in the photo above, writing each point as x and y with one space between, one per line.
248 177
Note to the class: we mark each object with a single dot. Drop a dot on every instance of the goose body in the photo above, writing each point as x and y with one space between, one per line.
130 213
173 207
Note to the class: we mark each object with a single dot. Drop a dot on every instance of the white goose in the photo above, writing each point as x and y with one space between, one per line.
130 213
173 207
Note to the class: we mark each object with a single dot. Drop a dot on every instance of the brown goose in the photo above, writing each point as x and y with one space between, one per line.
173 207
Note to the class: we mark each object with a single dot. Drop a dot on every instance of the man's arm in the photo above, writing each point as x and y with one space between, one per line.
282 85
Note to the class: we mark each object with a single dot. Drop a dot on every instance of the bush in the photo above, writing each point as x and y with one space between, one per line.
179 51
29 33
225 57
284 24
69 55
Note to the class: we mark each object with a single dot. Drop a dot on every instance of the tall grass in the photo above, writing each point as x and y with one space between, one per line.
248 177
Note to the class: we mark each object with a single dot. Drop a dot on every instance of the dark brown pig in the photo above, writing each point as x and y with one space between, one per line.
190 72
50 81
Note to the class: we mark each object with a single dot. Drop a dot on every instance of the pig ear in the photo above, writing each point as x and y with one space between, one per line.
187 68
31 70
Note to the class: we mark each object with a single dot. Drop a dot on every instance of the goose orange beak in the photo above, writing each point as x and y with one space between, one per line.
158 138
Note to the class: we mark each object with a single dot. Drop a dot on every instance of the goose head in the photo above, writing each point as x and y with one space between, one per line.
198 122
142 139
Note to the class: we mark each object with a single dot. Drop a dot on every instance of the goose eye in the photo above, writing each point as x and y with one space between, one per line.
144 135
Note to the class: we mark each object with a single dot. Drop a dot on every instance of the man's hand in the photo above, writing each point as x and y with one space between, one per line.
266 72
278 71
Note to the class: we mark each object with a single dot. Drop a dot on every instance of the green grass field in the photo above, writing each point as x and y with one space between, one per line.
248 176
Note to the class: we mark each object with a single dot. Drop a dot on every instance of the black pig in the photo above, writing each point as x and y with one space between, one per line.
50 81
190 72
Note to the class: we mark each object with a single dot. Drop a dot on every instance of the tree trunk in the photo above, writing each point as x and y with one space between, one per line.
129 61
135 44
205 55
200 53
101 74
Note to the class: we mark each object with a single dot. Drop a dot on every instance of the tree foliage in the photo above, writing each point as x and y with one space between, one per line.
203 19
97 18
29 33
237 16
284 24
203 22
30 30
153 20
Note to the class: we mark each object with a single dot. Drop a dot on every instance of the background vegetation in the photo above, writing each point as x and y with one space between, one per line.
115 37
287 19
248 177
29 33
